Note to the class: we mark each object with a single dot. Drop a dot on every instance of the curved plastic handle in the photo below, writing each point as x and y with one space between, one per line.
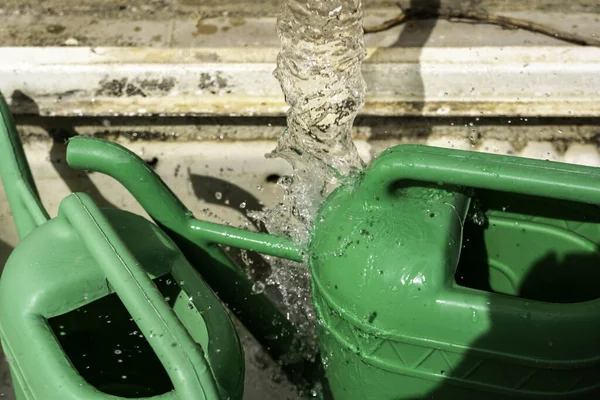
162 204
23 198
483 171
182 358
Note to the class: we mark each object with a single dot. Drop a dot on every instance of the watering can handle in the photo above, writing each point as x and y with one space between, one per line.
483 171
162 204
23 198
181 356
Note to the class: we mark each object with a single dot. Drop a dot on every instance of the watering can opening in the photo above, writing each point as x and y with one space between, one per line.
107 348
531 248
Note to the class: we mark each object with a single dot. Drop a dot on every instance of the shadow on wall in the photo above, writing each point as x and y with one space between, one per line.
77 181
223 193
5 250
414 34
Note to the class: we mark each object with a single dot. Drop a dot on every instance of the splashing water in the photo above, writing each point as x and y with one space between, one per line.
319 69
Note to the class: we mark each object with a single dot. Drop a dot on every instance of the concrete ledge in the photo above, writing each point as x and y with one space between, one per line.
476 82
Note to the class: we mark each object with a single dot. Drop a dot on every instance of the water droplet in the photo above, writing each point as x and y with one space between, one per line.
478 218
258 288
474 315
335 11
218 195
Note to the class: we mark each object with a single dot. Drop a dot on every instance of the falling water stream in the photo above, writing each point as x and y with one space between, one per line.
319 69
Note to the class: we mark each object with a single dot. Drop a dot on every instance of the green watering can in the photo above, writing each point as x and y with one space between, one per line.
101 304
435 274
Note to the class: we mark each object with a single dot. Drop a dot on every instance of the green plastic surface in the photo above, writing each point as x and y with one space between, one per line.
102 262
440 273
396 324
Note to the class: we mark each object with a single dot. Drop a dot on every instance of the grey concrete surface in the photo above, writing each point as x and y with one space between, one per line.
187 30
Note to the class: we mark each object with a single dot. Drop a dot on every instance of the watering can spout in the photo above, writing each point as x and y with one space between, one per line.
163 205
25 204
198 240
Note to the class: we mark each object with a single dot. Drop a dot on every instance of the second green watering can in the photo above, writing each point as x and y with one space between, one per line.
436 273
102 305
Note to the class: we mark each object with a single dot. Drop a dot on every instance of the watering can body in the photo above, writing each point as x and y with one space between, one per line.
434 274
70 336
430 289
101 304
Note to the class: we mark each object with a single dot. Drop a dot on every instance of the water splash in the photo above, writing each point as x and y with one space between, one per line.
319 69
